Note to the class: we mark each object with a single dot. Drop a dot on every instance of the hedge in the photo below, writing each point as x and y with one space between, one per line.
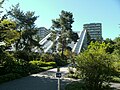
9 77
43 64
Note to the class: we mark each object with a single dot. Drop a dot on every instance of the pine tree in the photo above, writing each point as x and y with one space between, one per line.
63 26
26 27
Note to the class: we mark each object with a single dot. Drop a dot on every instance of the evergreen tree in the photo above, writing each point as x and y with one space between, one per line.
26 27
63 26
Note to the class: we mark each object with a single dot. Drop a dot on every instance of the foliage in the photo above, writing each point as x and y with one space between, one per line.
17 70
9 77
115 79
88 38
68 53
116 54
74 75
111 43
8 34
7 61
26 27
19 31
1 3
63 26
25 55
76 86
53 38
108 40
80 85
20 68
96 66
46 57
42 64
59 60
117 45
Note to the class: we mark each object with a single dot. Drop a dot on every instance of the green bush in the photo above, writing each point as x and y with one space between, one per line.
46 68
9 77
2 70
115 79
26 56
21 67
76 86
19 70
7 63
12 68
17 66
23 70
96 66
43 64
59 61
46 57
75 76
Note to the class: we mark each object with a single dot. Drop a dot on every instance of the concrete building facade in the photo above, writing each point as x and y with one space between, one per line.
94 30
42 32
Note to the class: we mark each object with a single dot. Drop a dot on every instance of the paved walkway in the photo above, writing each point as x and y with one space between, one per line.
51 73
42 81
116 85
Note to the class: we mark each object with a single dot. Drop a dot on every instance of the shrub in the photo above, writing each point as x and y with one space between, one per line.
59 61
7 62
22 55
2 70
26 56
115 79
43 64
96 67
76 86
9 77
34 69
23 70
75 76
46 57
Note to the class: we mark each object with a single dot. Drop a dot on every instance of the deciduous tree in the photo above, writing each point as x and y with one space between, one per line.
96 66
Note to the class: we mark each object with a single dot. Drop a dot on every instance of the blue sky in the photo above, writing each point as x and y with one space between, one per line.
106 12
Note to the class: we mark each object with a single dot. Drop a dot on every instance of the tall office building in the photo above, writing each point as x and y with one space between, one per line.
42 32
94 30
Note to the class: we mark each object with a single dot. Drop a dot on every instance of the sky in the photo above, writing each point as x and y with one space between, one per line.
106 12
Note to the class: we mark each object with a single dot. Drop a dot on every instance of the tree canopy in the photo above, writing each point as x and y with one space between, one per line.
63 26
25 25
